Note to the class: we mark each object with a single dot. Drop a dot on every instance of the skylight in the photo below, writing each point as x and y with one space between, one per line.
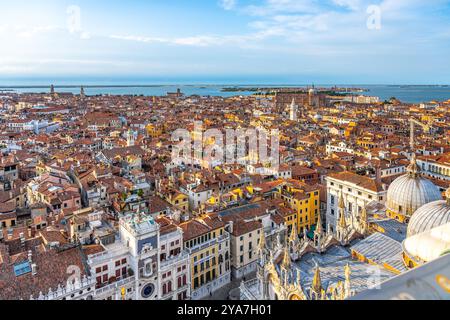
22 268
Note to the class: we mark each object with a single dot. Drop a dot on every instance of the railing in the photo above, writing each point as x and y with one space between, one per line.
176 291
209 243
174 235
223 237
115 285
175 259
106 255
202 246
68 290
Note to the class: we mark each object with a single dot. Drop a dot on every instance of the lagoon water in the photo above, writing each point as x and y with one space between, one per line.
405 93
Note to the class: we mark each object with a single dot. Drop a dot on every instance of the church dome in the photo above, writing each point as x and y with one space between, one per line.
410 192
430 216
427 246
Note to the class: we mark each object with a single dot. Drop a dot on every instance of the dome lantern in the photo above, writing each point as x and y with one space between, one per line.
413 169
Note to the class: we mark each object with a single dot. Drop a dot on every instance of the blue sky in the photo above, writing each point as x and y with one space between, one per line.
254 41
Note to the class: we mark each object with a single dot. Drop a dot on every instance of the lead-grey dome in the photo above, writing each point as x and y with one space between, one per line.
410 192
430 216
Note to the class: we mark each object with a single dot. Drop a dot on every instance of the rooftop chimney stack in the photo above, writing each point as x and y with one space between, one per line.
378 174
22 239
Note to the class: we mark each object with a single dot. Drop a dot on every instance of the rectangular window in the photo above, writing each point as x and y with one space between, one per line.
195 283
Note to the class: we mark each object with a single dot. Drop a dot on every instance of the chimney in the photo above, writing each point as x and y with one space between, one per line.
378 174
176 216
22 239
231 226
30 256
30 235
33 269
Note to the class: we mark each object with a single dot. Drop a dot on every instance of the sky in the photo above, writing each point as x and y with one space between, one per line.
218 41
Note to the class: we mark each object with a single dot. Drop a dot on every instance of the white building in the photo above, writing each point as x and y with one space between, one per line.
293 109
435 167
340 147
356 191
146 262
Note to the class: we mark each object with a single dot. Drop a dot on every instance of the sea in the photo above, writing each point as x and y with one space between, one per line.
405 93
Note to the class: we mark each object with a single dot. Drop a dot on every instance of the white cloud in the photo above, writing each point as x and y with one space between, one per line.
271 7
350 4
194 41
139 38
228 4
31 31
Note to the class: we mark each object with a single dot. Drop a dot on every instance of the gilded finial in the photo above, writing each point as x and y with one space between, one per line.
341 201
342 220
286 264
364 220
364 214
347 272
317 282
262 240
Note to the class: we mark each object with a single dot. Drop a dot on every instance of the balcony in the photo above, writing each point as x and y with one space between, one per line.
112 252
184 255
116 285
202 246
209 243
171 236
223 237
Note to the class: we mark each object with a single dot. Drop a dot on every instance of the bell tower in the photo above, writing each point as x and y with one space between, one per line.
130 138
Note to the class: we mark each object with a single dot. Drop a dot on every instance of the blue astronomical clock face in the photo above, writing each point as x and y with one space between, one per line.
148 290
